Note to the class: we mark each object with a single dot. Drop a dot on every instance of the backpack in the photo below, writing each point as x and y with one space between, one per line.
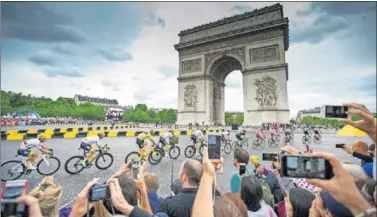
268 197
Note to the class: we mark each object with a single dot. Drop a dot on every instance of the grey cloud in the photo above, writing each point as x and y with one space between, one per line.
63 50
33 22
43 60
366 84
141 96
114 85
114 54
168 71
154 20
241 8
63 73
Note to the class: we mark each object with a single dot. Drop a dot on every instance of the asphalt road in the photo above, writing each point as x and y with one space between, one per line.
121 146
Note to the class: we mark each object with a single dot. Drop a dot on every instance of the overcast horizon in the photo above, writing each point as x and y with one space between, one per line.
127 53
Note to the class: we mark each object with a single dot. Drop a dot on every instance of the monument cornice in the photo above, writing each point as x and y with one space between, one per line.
232 19
201 77
270 68
276 24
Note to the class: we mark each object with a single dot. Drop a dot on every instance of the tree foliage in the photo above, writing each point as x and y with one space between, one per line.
310 120
141 113
234 118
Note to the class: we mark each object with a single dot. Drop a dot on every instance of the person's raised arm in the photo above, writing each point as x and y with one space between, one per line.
140 184
81 205
366 158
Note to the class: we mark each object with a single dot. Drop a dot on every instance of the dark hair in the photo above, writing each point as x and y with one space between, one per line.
372 147
301 201
251 193
193 170
236 198
241 155
224 207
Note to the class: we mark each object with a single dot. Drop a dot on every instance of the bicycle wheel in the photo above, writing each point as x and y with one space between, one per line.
262 143
104 161
48 168
235 144
76 161
130 156
14 168
189 151
277 141
270 142
303 139
156 156
255 144
245 145
174 152
227 148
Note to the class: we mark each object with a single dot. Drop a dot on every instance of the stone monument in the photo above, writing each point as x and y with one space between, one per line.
255 43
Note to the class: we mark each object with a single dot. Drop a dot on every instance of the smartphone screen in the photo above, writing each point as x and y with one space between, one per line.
306 167
242 169
336 112
13 189
339 145
214 147
269 156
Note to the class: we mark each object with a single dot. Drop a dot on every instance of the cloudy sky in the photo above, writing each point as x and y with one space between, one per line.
125 50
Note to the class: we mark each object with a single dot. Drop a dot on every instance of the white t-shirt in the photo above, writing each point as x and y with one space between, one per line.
91 140
167 136
32 143
198 134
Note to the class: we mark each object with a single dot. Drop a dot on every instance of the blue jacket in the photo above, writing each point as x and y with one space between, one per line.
154 201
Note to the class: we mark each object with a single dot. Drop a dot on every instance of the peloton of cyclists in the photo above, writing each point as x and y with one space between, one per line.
27 146
88 144
143 140
165 140
197 136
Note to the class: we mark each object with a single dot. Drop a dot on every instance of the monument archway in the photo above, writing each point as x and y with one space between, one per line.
255 43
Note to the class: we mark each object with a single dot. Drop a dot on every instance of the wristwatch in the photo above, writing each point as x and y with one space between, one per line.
367 213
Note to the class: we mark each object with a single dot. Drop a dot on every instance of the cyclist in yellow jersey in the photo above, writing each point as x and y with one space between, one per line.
143 139
88 145
27 146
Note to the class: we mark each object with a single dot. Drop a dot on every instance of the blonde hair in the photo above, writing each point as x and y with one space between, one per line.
48 194
100 210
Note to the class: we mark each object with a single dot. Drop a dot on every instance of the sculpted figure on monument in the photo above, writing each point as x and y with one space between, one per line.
266 91
190 96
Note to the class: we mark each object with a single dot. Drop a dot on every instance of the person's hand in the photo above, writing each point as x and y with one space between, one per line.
342 186
277 173
347 149
32 203
208 167
124 168
289 149
80 207
313 212
140 185
367 124
117 197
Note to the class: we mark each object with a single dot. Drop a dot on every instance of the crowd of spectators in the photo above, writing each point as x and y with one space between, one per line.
260 192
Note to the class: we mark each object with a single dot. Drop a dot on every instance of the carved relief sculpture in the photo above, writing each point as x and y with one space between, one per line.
264 54
192 66
266 91
190 96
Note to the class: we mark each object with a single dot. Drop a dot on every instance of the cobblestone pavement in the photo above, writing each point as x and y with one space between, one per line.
121 146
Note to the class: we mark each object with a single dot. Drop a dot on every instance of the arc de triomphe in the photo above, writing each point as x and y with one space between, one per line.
255 43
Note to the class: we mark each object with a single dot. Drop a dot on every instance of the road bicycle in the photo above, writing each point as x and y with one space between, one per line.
317 138
274 140
243 143
190 150
47 165
261 143
102 156
306 138
154 155
288 139
227 147
172 149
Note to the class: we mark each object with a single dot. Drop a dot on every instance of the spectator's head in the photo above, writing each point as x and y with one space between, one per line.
241 155
298 202
360 147
152 182
190 173
251 193
332 206
128 186
224 207
369 189
48 194
236 199
358 174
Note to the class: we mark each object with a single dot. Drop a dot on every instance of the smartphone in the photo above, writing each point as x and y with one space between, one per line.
242 169
298 166
340 145
269 156
97 192
214 147
10 191
135 170
336 112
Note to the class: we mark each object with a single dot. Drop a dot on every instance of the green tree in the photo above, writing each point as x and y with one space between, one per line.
141 107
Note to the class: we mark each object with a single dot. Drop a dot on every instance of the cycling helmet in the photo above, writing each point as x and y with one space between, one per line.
152 131
202 129
172 130
43 136
101 134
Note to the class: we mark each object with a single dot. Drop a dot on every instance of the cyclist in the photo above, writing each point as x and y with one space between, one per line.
143 139
197 137
241 134
88 145
26 149
260 134
225 136
165 139
273 132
